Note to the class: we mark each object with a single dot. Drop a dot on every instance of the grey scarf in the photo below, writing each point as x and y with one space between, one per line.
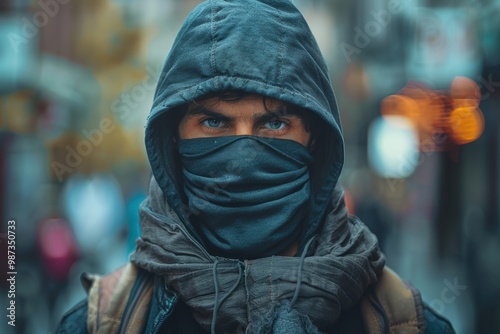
265 295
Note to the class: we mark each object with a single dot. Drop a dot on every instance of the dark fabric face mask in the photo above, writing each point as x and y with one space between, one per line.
247 195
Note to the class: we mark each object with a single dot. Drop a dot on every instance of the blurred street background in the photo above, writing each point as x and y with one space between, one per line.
418 87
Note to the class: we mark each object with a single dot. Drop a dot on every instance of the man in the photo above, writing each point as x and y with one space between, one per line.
245 228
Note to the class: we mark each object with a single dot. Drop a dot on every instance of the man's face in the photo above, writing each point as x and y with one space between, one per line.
246 116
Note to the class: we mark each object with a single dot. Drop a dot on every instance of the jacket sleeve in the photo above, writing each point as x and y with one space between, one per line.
75 320
436 324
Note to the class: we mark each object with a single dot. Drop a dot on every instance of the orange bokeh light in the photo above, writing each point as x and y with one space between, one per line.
463 88
467 124
454 112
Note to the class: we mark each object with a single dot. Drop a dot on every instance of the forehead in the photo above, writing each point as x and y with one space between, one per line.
249 103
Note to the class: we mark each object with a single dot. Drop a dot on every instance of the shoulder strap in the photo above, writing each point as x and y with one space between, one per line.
393 307
118 302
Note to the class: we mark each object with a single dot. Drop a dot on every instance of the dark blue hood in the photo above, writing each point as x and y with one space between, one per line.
263 47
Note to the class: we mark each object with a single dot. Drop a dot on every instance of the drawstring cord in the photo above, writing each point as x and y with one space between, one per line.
216 284
218 303
299 278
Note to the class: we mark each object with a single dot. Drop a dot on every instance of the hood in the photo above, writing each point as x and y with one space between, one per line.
257 46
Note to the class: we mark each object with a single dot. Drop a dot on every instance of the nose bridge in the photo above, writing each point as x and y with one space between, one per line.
243 127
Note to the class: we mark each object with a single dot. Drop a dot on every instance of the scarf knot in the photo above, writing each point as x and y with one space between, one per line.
269 294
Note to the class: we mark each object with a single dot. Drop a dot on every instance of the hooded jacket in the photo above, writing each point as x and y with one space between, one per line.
262 47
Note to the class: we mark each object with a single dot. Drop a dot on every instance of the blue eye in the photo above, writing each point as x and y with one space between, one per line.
275 124
213 123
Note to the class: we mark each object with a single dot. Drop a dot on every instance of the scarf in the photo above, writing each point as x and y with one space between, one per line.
261 295
255 204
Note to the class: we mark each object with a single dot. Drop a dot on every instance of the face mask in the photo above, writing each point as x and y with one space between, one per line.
248 195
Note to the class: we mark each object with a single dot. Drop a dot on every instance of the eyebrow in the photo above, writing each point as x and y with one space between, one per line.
267 115
201 110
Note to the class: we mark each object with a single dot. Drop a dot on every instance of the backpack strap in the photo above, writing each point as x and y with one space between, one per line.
393 307
118 302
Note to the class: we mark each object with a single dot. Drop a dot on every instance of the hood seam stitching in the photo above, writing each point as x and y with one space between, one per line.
281 52
214 42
